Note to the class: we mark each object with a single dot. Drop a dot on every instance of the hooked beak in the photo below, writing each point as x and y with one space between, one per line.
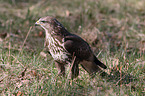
37 23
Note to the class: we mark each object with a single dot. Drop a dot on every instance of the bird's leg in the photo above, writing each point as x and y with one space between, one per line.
75 71
75 68
61 68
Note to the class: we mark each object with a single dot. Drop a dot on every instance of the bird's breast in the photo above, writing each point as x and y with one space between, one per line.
56 49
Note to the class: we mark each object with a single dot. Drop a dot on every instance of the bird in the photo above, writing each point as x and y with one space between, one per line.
66 48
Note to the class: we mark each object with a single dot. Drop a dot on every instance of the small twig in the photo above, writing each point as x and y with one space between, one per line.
1 79
9 52
120 80
99 53
71 65
23 72
25 39
74 57
18 61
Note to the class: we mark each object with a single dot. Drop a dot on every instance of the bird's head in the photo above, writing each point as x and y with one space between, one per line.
45 22
51 25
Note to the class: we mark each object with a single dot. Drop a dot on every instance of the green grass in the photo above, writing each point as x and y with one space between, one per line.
114 29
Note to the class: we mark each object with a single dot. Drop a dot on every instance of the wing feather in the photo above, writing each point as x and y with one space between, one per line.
75 44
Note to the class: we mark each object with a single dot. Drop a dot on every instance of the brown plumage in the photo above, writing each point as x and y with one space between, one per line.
63 46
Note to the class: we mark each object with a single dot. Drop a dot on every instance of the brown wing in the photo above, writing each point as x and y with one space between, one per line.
75 44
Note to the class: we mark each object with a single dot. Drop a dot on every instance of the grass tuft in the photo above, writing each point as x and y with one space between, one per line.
114 29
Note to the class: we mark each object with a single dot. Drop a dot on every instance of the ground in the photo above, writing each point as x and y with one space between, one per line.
114 29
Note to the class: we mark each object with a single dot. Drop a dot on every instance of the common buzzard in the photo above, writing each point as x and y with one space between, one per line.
64 46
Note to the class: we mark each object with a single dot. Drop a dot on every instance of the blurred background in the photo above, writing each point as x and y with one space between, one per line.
115 30
102 23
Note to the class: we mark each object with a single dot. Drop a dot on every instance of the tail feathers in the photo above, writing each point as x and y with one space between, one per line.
90 67
99 63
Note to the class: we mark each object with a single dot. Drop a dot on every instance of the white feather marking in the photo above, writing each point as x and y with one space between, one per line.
56 52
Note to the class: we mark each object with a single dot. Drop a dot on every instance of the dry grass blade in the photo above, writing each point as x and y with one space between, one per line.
18 61
25 39
114 30
74 57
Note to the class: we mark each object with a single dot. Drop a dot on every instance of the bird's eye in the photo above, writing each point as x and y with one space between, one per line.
44 21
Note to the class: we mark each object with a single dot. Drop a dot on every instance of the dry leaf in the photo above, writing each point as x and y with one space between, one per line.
43 54
3 35
25 81
40 34
20 93
67 13
35 34
34 73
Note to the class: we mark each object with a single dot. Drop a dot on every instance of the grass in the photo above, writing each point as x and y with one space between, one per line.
114 29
